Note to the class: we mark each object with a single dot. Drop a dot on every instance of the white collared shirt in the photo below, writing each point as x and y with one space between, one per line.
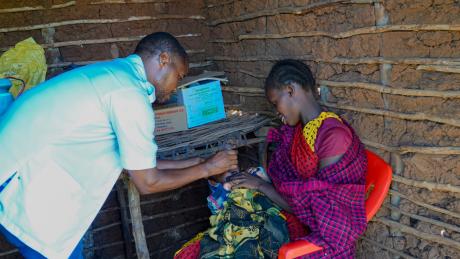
68 140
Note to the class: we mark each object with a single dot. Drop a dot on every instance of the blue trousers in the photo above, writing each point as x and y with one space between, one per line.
29 253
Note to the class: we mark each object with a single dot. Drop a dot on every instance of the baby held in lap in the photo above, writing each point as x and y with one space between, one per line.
244 223
221 186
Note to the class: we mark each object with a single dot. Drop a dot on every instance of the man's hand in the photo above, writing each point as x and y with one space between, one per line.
222 162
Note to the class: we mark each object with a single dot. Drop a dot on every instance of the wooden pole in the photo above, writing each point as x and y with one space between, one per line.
136 220
124 214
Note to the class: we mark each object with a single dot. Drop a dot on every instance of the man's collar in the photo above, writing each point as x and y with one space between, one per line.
138 65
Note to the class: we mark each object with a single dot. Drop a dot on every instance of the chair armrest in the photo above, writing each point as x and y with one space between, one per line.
297 248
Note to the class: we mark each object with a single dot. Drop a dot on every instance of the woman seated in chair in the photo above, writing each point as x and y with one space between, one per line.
317 169
318 166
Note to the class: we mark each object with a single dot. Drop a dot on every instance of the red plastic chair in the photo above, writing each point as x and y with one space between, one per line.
379 176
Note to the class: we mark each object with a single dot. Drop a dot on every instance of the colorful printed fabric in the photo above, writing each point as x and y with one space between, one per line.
191 249
217 197
331 201
219 194
303 158
249 226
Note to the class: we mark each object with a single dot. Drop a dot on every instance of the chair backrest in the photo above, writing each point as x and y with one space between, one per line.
379 175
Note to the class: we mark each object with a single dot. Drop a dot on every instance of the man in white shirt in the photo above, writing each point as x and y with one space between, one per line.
64 143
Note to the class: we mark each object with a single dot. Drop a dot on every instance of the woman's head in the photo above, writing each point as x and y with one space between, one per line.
291 87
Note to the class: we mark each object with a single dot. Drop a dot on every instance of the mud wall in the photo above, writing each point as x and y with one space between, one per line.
392 68
84 31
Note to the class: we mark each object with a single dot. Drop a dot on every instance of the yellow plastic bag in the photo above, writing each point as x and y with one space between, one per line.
25 61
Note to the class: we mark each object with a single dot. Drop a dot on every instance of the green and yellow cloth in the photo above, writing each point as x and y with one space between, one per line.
249 226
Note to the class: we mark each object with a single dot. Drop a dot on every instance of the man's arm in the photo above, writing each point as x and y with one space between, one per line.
178 164
157 180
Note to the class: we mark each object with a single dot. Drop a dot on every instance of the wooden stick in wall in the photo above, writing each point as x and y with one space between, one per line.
427 185
221 3
256 58
426 205
288 10
108 40
359 85
423 235
414 149
446 69
393 61
347 61
438 223
102 21
391 250
137 224
82 63
36 8
449 150
354 32
101 2
244 90
431 68
390 90
417 116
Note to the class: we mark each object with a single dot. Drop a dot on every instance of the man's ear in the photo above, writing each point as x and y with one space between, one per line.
165 59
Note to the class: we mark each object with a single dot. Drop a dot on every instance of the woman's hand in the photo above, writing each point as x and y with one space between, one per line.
246 180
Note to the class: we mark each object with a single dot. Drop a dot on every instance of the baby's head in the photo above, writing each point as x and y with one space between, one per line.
224 178
221 178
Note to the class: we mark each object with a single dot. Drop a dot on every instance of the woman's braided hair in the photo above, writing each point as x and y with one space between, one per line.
289 71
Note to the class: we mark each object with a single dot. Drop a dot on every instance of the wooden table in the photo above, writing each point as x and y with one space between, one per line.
201 141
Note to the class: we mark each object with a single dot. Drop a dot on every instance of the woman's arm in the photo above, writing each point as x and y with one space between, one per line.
273 195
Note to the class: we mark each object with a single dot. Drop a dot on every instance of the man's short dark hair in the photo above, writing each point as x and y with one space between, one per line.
159 42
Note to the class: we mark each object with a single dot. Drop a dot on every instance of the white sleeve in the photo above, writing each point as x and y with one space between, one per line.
132 119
